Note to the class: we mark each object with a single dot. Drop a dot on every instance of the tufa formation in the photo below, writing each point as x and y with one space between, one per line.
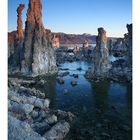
101 64
20 32
34 50
55 41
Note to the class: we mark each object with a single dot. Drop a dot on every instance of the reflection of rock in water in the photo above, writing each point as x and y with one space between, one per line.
129 98
101 95
50 90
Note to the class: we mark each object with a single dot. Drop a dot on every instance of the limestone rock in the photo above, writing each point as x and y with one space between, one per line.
21 108
58 131
31 51
85 44
18 130
20 32
50 119
74 83
60 80
119 48
128 41
55 41
100 53
16 56
39 57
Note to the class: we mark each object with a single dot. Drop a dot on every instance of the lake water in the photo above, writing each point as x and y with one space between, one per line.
103 110
71 46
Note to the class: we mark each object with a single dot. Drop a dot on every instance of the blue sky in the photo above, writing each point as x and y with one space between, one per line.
79 16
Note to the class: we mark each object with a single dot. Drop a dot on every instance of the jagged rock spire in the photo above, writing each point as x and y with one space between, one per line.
101 39
34 13
20 32
39 57
101 53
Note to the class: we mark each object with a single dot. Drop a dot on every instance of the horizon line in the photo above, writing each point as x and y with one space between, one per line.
71 33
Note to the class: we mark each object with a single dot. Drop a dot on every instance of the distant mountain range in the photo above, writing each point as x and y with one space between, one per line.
75 38
65 38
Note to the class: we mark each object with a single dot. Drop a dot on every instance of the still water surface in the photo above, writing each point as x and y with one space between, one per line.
103 110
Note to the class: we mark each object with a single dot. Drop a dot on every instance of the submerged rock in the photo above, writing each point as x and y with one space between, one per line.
79 68
65 73
66 91
60 80
75 75
63 115
74 83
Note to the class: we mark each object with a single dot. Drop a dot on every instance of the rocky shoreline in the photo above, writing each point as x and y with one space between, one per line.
101 67
29 115
36 51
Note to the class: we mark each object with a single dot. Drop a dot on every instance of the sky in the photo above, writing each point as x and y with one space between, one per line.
79 16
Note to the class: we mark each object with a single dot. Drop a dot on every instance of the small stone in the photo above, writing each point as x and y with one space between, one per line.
75 75
58 131
38 103
66 91
51 119
66 73
126 128
46 103
99 125
34 114
41 82
42 114
28 108
60 80
40 127
79 68
105 134
73 83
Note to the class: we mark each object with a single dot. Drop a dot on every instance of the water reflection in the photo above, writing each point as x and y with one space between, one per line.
100 91
99 107
49 88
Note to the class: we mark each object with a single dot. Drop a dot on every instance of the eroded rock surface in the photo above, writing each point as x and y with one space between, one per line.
16 46
20 32
30 116
101 64
33 51
39 57
55 41
18 130
128 41
122 68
